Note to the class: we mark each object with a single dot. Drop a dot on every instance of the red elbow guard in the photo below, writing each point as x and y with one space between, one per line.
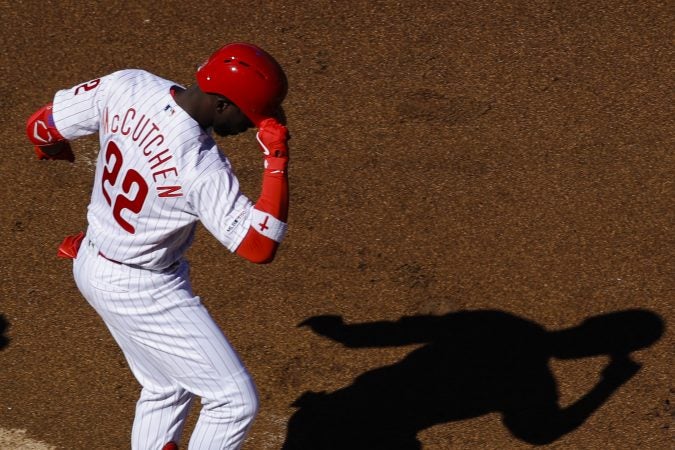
40 127
42 132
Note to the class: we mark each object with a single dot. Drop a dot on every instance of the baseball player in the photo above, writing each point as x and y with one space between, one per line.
158 172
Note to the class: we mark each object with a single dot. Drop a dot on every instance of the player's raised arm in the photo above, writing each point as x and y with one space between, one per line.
247 86
270 213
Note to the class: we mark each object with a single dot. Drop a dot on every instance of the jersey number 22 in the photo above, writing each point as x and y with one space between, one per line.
131 177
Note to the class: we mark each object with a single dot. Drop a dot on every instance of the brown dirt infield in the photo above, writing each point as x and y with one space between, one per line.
482 190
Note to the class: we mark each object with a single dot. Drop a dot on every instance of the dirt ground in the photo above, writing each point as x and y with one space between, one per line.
481 236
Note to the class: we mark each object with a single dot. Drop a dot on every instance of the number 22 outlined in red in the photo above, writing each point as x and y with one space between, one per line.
111 172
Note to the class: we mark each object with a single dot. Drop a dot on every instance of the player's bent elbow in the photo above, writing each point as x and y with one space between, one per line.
257 248
266 260
259 257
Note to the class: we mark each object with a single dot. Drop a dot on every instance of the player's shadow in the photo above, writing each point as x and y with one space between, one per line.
4 325
471 363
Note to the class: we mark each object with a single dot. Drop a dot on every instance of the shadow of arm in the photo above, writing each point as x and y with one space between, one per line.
406 331
544 423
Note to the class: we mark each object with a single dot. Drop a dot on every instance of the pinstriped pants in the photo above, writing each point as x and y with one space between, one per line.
174 349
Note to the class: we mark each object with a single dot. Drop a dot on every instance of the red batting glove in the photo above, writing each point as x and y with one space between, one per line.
273 139
48 142
70 246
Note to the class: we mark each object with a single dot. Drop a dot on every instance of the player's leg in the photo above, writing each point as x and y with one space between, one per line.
212 371
229 396
160 418
167 330
163 406
204 363
194 354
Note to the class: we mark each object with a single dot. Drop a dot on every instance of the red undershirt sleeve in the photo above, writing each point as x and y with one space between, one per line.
274 201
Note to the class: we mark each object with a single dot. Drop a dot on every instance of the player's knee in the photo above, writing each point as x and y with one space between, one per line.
248 408
241 405
242 413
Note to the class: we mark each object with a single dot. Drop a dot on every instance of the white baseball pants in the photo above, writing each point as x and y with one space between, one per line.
174 349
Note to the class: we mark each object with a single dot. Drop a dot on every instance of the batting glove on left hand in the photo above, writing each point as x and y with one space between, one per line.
273 138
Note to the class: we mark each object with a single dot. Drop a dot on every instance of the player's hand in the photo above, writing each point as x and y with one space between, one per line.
273 139
56 151
620 369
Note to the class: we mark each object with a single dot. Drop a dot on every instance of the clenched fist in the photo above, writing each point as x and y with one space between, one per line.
273 139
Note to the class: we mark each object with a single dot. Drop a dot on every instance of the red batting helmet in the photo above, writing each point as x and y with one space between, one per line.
246 75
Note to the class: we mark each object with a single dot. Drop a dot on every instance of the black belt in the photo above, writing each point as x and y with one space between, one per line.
171 266
105 257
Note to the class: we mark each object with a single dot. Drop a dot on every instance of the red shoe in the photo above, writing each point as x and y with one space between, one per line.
170 446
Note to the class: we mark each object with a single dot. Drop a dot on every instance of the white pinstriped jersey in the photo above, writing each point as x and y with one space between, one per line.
157 172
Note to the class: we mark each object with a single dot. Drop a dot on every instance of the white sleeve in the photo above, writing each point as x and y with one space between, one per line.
77 111
221 207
